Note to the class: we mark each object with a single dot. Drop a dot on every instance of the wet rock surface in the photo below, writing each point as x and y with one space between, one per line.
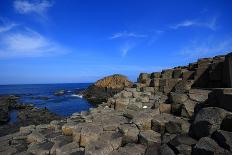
26 115
168 117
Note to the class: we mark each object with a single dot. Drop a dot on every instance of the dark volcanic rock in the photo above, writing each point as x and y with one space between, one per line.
26 115
227 71
106 88
223 138
207 121
40 98
207 146
4 109
227 123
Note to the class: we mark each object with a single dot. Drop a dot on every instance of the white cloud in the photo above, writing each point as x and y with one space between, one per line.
210 24
6 25
27 43
6 28
206 48
38 7
126 34
126 48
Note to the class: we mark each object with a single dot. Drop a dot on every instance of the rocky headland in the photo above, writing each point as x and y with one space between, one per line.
184 110
105 88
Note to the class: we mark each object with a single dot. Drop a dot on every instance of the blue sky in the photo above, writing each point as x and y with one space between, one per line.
43 41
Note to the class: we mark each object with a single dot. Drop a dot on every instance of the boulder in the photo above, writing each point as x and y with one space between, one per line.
207 145
59 142
149 137
167 137
27 129
167 74
143 118
167 85
36 137
188 108
130 133
130 149
67 128
166 150
40 148
223 138
226 123
153 149
221 98
183 144
155 75
98 148
199 95
89 132
155 82
168 123
159 121
177 125
144 78
121 103
178 97
165 108
184 149
106 143
70 148
183 139
207 121
183 86
126 94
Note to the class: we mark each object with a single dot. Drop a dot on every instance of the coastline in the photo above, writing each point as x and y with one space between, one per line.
26 115
176 111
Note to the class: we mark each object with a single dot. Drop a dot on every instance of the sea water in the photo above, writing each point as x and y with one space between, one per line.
42 96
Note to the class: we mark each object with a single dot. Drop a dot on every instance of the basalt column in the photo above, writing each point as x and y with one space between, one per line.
227 75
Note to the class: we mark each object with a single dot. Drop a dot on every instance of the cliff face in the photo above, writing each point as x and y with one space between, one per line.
106 87
184 110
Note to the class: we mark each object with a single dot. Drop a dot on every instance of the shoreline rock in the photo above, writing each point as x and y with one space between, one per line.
105 88
175 115
27 114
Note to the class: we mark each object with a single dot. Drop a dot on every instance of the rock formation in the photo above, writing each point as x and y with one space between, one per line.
26 115
104 88
184 110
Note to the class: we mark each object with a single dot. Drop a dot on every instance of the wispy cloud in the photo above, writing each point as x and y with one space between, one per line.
6 25
27 43
210 24
125 48
205 48
39 7
126 34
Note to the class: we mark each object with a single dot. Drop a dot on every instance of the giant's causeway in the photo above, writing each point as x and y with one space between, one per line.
183 110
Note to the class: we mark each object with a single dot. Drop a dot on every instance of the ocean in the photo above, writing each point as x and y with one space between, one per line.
42 95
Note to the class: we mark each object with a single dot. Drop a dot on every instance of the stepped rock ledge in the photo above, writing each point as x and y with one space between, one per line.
184 110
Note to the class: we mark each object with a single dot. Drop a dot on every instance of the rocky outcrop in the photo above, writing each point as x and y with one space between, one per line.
26 115
170 112
6 104
104 88
4 110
